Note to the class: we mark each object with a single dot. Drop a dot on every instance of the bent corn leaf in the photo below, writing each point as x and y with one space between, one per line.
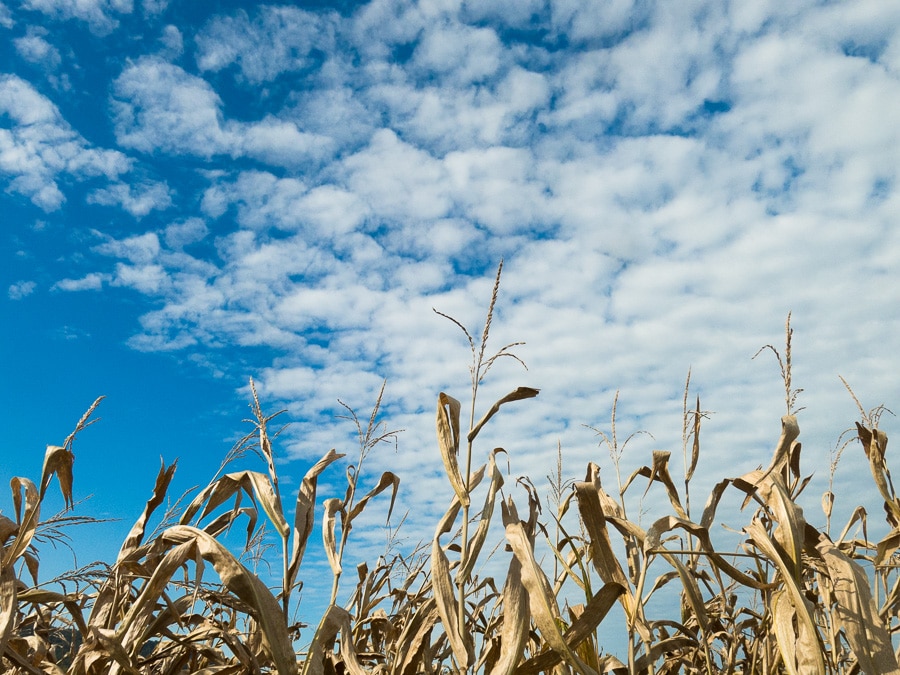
448 440
518 394
304 512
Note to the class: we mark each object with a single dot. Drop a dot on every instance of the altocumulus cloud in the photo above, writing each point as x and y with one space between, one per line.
39 146
665 181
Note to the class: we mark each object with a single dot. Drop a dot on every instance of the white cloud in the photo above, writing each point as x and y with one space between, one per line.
665 182
277 40
40 146
399 181
584 20
6 20
138 200
181 234
141 249
154 7
34 48
172 40
21 289
158 106
147 279
98 14
281 143
91 282
465 54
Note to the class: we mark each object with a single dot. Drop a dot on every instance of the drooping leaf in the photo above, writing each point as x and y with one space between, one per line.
541 600
58 460
519 394
304 512
332 506
477 541
388 480
856 612
336 620
136 534
8 604
448 441
443 587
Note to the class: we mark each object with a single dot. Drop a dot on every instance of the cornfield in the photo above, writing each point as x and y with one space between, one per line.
786 598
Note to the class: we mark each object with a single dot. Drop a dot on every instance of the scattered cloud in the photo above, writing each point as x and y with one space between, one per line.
21 289
91 282
35 49
160 107
172 40
277 40
6 20
100 15
39 147
665 182
138 200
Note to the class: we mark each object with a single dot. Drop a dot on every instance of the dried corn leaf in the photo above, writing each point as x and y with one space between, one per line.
602 554
691 590
26 518
541 601
519 394
8 604
112 647
667 523
256 485
7 529
659 649
72 602
248 588
448 441
859 515
660 472
336 620
58 460
136 535
413 639
804 642
790 431
443 587
388 479
579 631
477 541
857 614
791 523
332 506
874 442
516 618
827 503
304 512
695 446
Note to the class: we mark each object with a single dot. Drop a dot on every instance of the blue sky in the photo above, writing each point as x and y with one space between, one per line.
196 193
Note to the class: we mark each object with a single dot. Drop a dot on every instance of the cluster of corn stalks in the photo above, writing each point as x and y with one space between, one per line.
787 598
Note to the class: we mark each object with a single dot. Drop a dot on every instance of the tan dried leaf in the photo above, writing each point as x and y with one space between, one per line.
136 535
857 614
448 441
541 600
519 394
304 512
332 506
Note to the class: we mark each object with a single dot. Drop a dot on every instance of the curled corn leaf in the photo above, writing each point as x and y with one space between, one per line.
448 441
304 511
443 587
856 612
332 506
58 460
519 394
